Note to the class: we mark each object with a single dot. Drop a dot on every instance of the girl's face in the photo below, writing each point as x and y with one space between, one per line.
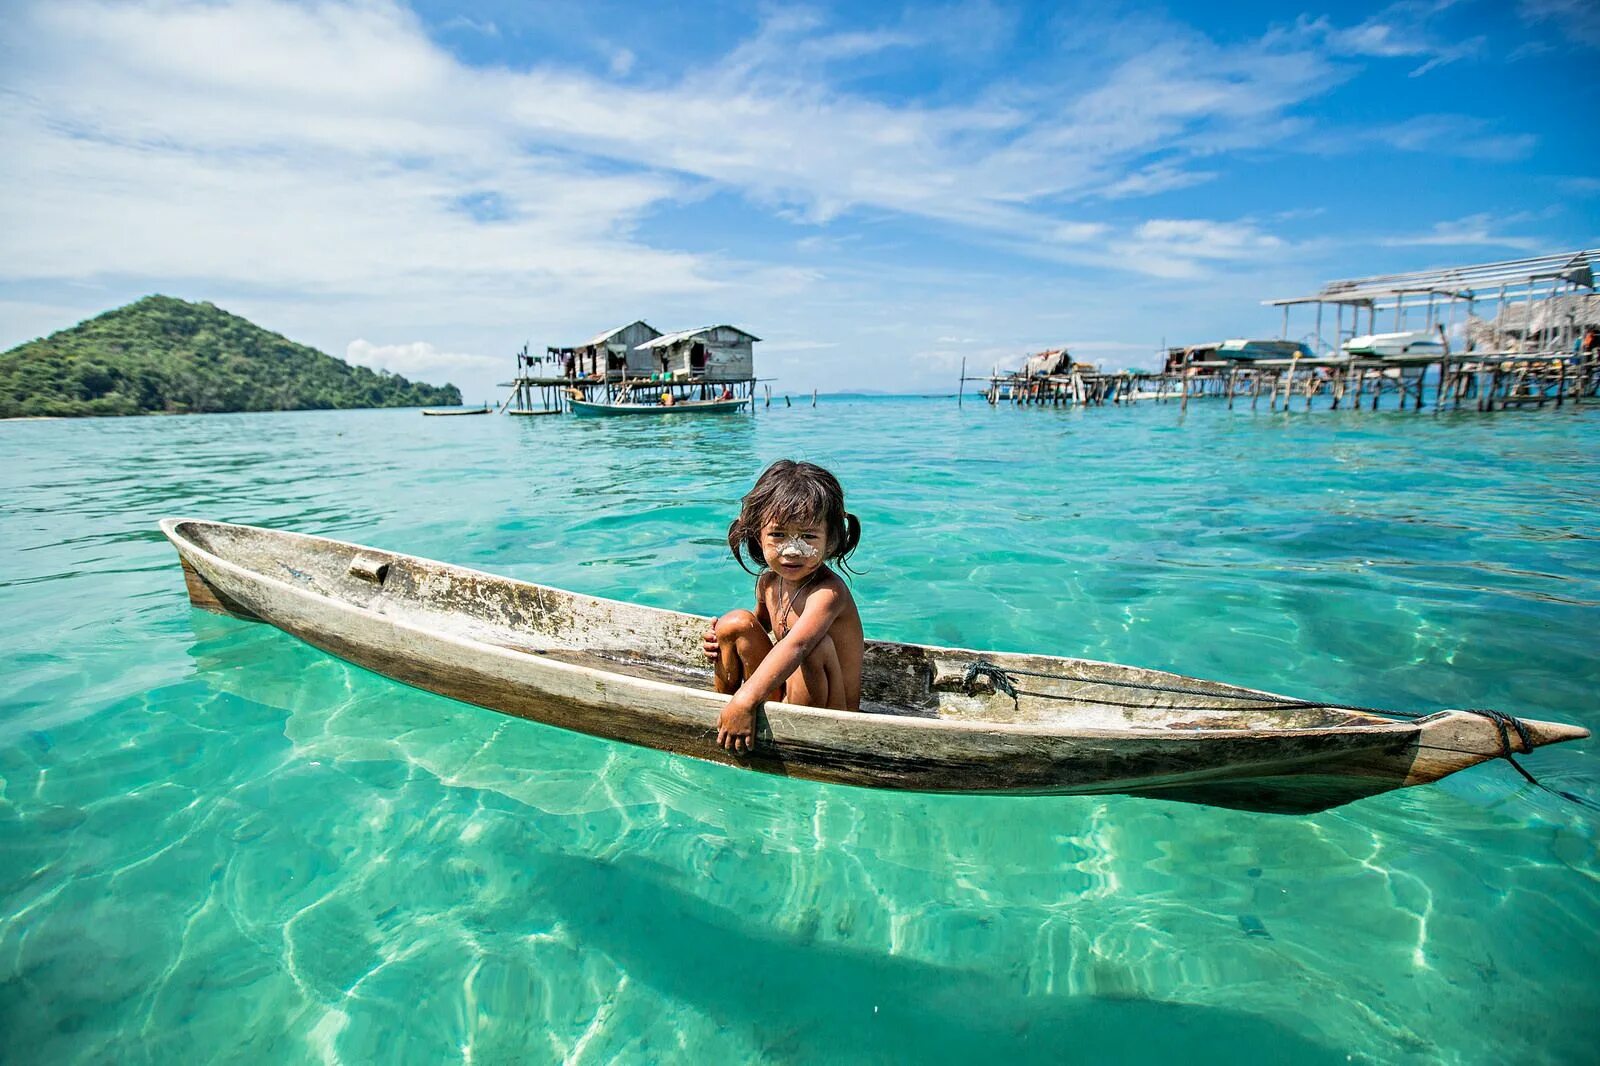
793 549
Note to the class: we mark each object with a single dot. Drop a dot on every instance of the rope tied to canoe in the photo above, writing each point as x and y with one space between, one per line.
1004 680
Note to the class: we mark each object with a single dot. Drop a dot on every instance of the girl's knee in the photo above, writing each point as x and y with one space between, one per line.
735 623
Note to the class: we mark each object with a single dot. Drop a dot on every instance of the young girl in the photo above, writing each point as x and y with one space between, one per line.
803 643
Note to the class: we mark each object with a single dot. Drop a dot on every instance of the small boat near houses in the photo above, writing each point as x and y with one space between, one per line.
932 719
590 409
1246 349
446 412
1414 344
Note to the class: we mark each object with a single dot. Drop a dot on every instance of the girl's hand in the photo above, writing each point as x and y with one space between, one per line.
708 643
736 728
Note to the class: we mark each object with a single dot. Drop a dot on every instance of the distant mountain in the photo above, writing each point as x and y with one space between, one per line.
160 355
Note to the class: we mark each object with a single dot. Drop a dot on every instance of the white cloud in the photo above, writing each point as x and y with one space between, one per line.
326 167
1453 135
1106 346
1445 135
336 147
1156 178
418 359
1576 21
942 364
461 22
322 147
1078 232
771 347
1183 247
1473 230
1399 31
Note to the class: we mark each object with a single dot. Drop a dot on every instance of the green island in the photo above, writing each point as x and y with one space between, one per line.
162 355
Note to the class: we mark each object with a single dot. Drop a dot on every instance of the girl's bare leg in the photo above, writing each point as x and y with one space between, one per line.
820 680
742 643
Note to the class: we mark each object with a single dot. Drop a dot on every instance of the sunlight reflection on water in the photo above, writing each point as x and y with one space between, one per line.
219 842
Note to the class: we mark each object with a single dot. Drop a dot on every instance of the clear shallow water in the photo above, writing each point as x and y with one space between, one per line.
219 844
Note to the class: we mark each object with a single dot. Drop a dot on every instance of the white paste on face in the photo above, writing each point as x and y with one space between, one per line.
796 549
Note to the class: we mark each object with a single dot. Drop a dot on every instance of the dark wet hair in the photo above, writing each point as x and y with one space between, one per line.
794 492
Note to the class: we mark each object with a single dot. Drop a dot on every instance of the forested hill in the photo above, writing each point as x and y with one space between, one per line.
163 355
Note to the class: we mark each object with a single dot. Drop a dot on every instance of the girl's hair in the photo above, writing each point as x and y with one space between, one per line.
788 491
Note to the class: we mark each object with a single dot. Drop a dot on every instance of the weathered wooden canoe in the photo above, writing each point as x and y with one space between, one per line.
636 674
453 411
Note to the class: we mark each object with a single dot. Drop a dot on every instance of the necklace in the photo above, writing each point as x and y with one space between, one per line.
785 605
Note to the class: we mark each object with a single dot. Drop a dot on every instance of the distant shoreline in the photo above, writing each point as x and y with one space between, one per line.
198 414
866 394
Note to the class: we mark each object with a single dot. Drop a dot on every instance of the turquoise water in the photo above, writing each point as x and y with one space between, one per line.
217 844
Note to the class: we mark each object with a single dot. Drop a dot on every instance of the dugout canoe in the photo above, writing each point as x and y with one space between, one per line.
454 412
929 721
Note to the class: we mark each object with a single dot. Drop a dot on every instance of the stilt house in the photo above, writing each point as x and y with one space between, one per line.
615 353
1054 361
710 353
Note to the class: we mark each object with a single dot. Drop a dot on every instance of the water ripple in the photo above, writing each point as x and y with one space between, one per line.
217 842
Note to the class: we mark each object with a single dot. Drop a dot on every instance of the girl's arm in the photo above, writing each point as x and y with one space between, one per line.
821 610
762 615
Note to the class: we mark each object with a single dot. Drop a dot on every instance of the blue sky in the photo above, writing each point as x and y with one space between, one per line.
877 190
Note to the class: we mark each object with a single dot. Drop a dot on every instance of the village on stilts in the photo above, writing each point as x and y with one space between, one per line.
637 369
1488 337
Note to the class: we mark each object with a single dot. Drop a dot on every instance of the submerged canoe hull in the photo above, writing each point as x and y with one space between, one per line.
384 612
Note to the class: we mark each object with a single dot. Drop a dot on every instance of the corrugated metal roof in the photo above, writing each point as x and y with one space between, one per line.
601 338
1046 362
688 334
1463 282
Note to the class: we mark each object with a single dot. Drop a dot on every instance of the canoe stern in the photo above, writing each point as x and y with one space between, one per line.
1454 740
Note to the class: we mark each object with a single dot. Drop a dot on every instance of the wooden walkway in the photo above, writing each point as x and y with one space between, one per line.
1482 381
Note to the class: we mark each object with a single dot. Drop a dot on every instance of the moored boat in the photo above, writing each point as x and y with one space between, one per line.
932 719
1241 348
589 409
446 412
1412 344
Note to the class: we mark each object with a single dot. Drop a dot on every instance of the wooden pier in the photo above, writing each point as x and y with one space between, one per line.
1541 348
1479 381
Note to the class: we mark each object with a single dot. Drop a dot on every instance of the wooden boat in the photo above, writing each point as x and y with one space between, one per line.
444 412
1415 344
1241 348
530 412
932 719
587 409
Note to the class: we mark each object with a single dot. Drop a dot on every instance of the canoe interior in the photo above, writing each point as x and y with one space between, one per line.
660 645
